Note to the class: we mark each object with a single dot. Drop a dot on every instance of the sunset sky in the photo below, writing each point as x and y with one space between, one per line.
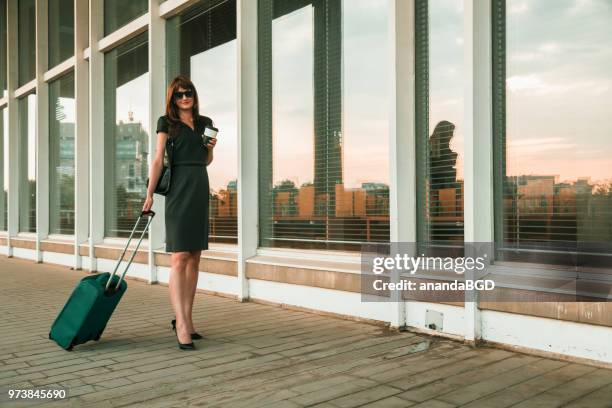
559 91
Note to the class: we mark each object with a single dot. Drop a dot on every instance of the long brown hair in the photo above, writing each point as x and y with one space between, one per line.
181 81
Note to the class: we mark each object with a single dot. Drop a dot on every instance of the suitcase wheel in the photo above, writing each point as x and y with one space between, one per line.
97 337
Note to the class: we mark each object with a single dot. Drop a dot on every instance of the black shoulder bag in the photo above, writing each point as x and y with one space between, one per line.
163 184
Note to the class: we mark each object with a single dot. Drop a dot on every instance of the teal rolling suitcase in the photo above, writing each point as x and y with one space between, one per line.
91 304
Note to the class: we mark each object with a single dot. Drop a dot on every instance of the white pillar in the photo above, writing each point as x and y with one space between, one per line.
13 128
96 129
42 126
81 130
478 140
246 15
402 159
157 102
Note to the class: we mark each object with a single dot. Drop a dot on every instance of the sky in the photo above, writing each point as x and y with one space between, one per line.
446 73
133 96
214 74
293 97
365 34
365 97
559 91
559 88
31 131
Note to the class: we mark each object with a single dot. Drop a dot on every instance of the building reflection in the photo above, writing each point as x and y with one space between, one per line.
359 214
63 177
131 171
540 209
223 213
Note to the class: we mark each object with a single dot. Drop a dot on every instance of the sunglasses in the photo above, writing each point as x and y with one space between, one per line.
179 95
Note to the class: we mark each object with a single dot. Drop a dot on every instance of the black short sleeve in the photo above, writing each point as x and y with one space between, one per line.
206 120
162 125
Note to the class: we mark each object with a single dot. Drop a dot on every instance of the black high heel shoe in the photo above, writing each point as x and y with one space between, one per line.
182 346
194 335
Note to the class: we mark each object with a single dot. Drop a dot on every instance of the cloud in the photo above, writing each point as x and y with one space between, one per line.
537 145
519 83
550 48
536 141
518 8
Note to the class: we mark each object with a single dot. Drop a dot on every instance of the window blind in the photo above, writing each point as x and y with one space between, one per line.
126 135
553 184
439 187
305 201
198 42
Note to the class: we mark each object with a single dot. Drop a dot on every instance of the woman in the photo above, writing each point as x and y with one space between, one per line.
187 200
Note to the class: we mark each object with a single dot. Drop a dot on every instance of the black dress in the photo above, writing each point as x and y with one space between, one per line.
187 200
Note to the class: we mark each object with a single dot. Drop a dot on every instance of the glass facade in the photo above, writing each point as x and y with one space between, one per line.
3 46
323 122
552 104
26 10
323 180
439 113
61 31
126 129
61 155
118 13
4 170
201 43
27 163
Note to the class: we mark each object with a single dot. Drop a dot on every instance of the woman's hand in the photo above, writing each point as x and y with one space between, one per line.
211 143
148 203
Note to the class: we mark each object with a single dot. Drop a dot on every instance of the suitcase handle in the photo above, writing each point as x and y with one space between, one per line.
151 214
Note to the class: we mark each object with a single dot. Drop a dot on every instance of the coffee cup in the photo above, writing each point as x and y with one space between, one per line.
210 132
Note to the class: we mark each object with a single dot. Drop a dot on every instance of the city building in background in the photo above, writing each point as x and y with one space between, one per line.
343 123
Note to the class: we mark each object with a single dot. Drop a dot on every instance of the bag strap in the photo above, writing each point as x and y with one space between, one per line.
170 151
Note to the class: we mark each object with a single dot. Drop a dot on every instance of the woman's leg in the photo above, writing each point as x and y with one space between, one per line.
179 292
193 271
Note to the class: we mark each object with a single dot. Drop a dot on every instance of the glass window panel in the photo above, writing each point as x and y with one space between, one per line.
27 163
4 169
323 123
201 44
27 40
363 197
118 13
439 39
552 104
3 47
61 31
61 155
126 125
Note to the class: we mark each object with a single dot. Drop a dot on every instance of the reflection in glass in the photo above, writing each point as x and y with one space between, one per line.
4 169
362 199
118 13
323 123
439 39
27 163
26 40
552 124
293 120
126 125
61 155
201 43
61 31
3 45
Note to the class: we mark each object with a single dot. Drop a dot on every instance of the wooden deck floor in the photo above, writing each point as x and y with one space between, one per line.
256 355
